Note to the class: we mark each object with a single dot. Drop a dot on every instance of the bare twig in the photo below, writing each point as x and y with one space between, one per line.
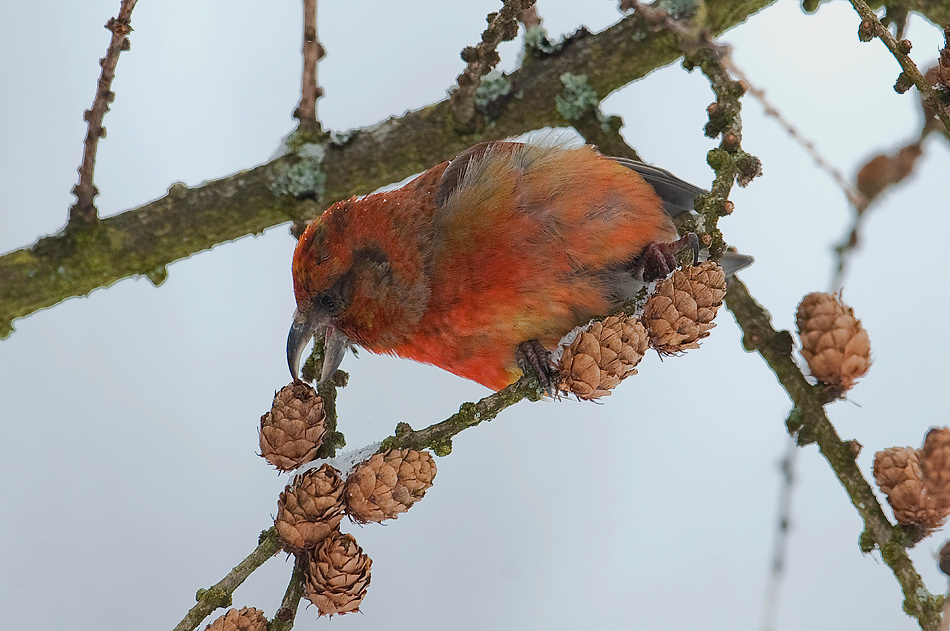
284 618
773 590
910 75
313 52
84 210
480 59
879 173
219 594
854 196
529 17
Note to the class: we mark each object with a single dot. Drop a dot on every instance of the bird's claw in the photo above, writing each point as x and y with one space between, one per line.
659 259
533 358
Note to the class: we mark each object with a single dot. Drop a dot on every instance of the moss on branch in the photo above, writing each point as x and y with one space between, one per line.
143 241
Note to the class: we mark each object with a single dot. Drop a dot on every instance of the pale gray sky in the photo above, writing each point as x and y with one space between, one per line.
130 417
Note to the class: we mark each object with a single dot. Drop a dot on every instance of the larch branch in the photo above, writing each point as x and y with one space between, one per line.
143 241
872 24
84 211
809 424
480 59
313 52
219 594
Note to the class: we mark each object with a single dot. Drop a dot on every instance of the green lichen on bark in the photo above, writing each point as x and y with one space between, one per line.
143 241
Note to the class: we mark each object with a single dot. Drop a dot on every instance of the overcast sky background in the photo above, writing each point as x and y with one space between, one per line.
130 417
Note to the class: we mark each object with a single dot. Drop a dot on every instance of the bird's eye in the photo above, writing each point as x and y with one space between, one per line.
328 302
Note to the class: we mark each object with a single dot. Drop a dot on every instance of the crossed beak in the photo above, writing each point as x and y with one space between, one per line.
334 345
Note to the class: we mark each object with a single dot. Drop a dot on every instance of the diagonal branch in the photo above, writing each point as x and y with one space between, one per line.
284 618
219 594
84 210
808 423
910 75
143 241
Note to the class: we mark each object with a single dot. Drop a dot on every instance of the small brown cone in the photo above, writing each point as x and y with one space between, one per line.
834 343
244 619
384 485
292 431
602 354
681 310
310 508
935 464
897 473
338 575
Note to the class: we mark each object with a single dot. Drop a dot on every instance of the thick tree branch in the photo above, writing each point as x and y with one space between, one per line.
84 210
145 240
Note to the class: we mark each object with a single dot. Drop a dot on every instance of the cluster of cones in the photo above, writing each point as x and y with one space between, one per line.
311 508
678 314
916 482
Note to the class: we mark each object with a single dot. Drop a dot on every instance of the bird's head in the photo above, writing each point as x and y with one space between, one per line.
355 280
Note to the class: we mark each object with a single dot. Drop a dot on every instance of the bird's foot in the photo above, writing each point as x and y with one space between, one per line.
659 259
532 357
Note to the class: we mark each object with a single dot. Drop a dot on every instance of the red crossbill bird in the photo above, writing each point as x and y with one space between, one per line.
480 265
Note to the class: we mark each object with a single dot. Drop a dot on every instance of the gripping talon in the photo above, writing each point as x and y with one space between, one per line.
533 357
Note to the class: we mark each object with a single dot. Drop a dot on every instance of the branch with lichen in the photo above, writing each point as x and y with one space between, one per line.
870 28
579 104
809 424
438 437
313 52
480 59
84 211
143 241
283 620
219 594
729 162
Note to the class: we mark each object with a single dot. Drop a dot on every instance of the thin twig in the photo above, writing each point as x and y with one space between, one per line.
773 590
219 594
284 618
438 437
854 196
730 163
899 50
809 424
480 59
530 18
878 174
313 52
84 210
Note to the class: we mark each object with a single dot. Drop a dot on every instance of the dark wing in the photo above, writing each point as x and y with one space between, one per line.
678 196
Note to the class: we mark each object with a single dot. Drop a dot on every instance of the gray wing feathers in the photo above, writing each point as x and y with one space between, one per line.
677 196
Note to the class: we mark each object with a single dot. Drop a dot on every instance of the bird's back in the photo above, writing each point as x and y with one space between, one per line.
528 242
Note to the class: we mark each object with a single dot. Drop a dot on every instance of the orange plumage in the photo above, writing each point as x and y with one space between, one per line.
507 243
